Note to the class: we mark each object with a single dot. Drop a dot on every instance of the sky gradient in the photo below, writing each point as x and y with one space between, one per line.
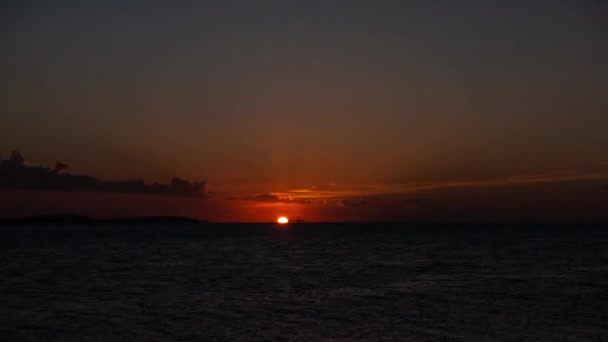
354 110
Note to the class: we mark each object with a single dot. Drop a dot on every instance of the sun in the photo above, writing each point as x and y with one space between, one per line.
282 220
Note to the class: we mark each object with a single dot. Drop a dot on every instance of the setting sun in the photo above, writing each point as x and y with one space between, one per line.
282 220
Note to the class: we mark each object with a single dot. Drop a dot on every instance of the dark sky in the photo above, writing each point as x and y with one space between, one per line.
361 98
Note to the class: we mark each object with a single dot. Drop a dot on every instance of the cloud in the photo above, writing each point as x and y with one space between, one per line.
563 176
270 198
353 202
400 195
418 202
15 174
257 198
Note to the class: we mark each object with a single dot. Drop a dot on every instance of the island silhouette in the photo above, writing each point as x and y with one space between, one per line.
69 219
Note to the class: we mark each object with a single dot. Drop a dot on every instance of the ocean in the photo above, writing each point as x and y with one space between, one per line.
109 282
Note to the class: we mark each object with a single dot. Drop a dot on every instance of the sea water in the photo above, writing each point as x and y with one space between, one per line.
304 282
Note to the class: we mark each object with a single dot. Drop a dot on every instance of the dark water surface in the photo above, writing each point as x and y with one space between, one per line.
304 282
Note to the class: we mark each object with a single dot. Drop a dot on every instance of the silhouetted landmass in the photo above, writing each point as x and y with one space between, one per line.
156 219
85 220
15 174
57 218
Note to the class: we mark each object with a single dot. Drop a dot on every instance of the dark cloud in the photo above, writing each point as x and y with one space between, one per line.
353 202
418 202
15 174
270 198
258 198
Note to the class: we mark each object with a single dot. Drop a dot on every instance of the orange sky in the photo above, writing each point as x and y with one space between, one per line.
565 196
353 110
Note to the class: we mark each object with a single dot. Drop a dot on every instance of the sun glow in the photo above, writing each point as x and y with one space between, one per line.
282 220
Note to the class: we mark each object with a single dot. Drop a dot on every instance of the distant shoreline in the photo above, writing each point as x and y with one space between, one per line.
81 219
75 219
